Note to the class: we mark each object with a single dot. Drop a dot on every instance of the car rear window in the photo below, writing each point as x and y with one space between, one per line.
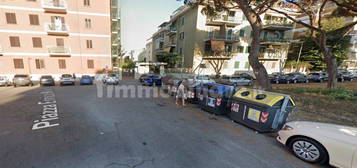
21 76
112 75
66 76
86 76
46 77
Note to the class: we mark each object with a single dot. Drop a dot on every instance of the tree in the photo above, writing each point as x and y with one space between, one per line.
315 11
172 59
252 10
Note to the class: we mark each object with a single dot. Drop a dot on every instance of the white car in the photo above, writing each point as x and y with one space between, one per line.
200 79
4 81
321 143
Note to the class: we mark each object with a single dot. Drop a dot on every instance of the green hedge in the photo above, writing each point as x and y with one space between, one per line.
337 94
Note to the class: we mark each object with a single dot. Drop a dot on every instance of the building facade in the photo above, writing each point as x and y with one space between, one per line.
55 37
194 36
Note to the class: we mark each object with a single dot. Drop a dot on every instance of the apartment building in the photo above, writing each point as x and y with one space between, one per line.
115 28
193 35
350 63
56 36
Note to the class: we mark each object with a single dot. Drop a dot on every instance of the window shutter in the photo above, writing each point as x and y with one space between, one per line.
10 18
90 64
37 42
18 64
60 42
37 61
34 20
14 41
62 64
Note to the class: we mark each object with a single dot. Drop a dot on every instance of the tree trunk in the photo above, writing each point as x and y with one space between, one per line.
258 68
331 61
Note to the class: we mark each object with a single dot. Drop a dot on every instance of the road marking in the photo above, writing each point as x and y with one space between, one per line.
49 117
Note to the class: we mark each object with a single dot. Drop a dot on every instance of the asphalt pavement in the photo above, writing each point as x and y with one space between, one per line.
78 129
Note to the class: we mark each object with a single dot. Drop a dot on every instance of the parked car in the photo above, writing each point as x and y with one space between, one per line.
152 79
47 80
4 81
111 79
246 76
354 75
277 78
236 80
200 79
67 79
344 76
320 143
86 80
296 78
22 80
318 77
141 78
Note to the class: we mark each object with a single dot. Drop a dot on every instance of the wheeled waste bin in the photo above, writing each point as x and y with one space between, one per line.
261 110
215 98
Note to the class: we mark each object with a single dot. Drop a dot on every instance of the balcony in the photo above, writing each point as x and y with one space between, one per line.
278 25
54 6
222 20
226 38
270 56
171 44
172 31
59 51
275 40
57 29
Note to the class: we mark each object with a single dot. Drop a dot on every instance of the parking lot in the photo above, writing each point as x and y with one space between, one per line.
114 132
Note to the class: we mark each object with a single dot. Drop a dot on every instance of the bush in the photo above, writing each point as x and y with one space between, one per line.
337 94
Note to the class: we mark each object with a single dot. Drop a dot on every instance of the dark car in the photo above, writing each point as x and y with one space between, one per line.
86 80
345 76
318 77
142 77
296 78
236 80
67 79
47 80
22 80
152 79
278 78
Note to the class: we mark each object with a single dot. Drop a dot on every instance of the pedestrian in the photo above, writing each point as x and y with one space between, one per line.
74 76
181 93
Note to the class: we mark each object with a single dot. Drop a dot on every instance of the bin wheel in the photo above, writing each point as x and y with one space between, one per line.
308 150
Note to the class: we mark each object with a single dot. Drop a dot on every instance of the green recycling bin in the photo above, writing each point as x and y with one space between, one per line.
261 110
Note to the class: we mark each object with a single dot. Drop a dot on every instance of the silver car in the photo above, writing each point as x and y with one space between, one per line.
67 79
22 80
111 79
4 81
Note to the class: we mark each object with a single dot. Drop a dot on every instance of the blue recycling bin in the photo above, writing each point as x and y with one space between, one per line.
215 98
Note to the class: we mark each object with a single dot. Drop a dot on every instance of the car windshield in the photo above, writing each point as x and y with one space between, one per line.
112 75
314 74
66 76
86 76
46 77
21 76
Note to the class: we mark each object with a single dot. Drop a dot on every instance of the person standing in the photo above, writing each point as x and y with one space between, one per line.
181 93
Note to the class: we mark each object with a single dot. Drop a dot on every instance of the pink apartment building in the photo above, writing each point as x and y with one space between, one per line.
54 37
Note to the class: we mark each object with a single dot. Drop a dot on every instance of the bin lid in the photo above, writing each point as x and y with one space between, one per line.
260 96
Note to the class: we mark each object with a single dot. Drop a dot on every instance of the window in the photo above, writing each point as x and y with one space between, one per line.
40 63
248 49
182 35
88 23
89 44
244 18
36 42
90 64
240 49
14 41
232 13
18 64
59 42
241 33
247 65
273 65
180 52
182 21
225 65
10 18
86 2
34 20
236 65
62 64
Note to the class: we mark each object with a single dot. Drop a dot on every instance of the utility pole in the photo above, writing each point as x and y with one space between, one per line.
302 45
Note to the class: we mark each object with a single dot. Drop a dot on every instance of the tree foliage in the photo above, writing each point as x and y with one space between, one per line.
172 59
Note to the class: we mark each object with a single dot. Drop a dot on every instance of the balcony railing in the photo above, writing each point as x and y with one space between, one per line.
275 40
271 56
59 51
278 24
171 44
172 31
227 38
222 19
55 6
57 29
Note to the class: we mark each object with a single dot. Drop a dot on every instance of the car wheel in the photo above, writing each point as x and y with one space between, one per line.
15 85
308 150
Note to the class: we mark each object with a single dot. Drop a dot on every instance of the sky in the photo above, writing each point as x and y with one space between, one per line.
140 19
